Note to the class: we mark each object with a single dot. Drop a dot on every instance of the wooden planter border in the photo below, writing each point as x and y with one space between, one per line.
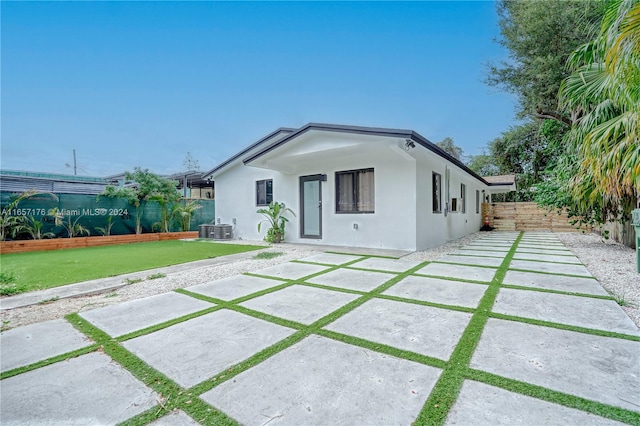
22 246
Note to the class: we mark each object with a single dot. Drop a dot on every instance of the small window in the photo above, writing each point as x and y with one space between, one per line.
463 198
436 192
355 192
264 192
454 205
477 202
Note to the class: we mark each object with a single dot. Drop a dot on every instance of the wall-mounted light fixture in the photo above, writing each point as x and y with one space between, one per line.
408 144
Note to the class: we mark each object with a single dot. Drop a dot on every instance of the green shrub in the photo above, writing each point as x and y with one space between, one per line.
156 276
268 254
11 289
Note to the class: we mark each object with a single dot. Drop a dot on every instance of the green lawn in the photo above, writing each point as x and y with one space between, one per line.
46 269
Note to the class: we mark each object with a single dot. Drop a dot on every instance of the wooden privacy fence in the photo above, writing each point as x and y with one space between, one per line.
526 216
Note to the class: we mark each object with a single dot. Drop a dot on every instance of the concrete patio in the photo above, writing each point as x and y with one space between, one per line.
510 329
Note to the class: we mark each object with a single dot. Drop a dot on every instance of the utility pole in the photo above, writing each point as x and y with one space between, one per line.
75 166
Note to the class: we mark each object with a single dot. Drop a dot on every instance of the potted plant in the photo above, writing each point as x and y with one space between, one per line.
275 218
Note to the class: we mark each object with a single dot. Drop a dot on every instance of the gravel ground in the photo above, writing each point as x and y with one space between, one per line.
611 263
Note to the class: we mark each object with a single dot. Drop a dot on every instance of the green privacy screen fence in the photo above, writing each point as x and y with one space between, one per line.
93 213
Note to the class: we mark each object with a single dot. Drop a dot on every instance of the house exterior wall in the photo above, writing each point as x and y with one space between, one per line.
403 217
433 229
236 198
392 225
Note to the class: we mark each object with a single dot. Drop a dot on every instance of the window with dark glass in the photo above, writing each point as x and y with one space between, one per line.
264 192
477 202
436 192
463 198
355 191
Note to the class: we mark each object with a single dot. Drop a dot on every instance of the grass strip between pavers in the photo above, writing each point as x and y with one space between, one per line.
435 409
568 327
444 262
165 324
382 348
446 390
461 280
426 303
170 394
48 361
554 273
490 256
549 261
549 395
548 290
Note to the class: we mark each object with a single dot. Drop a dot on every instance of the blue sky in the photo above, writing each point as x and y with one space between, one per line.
130 84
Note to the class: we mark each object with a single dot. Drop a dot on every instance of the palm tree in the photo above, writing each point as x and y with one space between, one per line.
8 220
603 96
184 213
33 227
72 227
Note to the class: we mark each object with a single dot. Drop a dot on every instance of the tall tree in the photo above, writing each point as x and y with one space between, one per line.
540 36
526 150
603 92
146 187
483 164
449 146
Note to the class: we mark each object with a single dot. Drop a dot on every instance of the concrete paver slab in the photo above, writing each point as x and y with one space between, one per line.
599 368
36 342
422 329
547 258
497 241
300 303
234 287
542 246
555 252
541 241
354 280
481 253
484 405
291 271
90 389
490 237
479 245
555 268
580 311
175 418
331 258
471 260
127 317
194 350
555 282
319 381
391 265
475 273
436 290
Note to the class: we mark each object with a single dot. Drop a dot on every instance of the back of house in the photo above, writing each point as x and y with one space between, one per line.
352 186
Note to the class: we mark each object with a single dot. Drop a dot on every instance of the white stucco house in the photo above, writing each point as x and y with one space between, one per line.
353 186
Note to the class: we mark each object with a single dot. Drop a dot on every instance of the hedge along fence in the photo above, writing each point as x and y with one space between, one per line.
93 212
